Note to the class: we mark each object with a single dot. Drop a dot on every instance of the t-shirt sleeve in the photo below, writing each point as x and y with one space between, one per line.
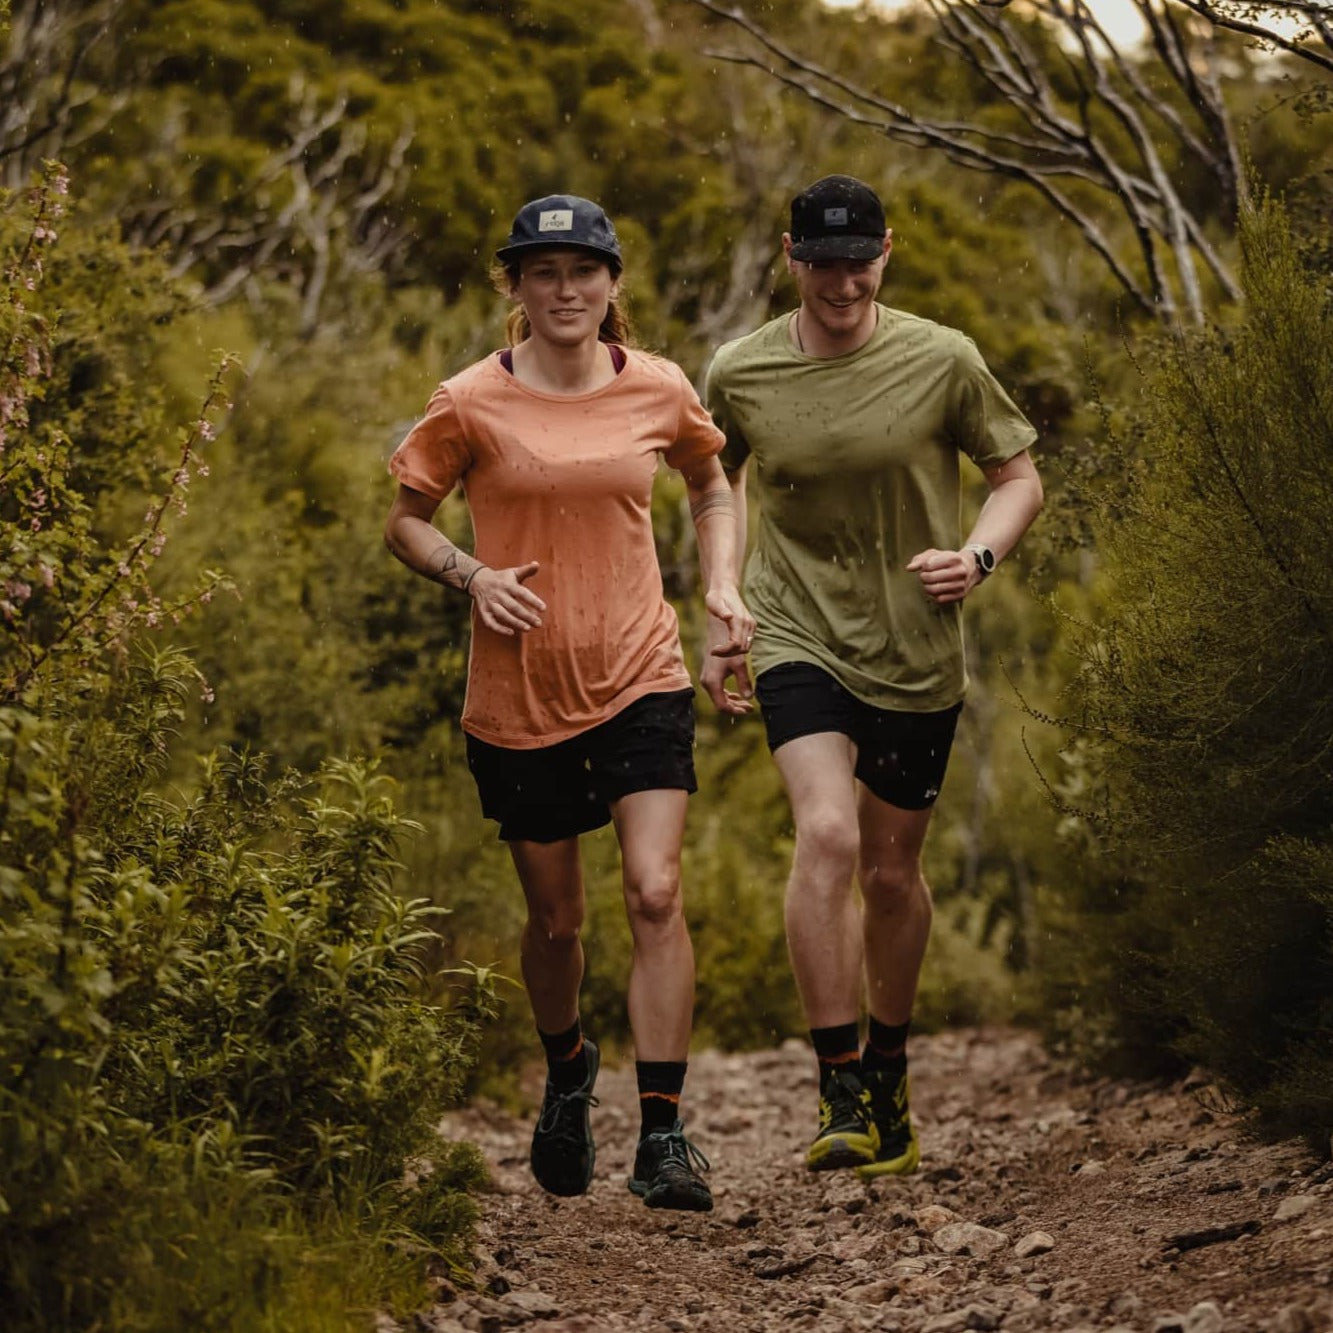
986 424
697 437
434 455
737 448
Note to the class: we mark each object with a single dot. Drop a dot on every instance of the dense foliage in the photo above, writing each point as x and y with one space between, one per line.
216 1059
1201 922
317 187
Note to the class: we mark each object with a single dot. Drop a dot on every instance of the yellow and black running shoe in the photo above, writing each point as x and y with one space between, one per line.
847 1134
899 1153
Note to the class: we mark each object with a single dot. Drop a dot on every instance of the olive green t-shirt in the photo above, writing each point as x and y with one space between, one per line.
858 471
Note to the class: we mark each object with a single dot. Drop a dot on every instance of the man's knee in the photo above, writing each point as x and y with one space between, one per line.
891 885
652 897
826 845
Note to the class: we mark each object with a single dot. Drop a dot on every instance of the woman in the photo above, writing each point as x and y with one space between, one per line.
579 708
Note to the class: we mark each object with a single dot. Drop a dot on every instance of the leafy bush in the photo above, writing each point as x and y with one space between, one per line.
216 1066
1201 925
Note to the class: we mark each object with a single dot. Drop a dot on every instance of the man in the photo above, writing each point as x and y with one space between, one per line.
855 415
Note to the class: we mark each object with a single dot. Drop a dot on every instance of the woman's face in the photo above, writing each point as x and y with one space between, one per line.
565 294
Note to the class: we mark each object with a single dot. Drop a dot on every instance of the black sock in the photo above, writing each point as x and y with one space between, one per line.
836 1048
566 1058
660 1084
886 1047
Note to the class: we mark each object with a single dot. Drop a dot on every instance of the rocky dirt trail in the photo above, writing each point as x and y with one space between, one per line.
1043 1203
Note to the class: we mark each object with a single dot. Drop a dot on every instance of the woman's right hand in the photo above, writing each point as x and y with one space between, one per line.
502 602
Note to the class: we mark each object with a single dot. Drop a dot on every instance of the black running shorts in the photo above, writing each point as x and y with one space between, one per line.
562 790
900 756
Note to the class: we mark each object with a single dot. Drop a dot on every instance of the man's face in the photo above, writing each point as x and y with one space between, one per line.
838 294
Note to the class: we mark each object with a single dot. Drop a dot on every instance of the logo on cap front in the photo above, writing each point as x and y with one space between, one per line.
835 217
556 219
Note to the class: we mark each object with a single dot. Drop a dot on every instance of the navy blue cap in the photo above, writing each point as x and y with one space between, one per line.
838 217
562 219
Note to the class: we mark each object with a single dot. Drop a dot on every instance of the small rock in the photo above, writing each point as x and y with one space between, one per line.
434 1322
968 1238
933 1216
1292 1319
1086 1170
908 1267
1204 1318
749 1218
533 1304
871 1293
1274 1185
1296 1206
1035 1242
1169 1323
1124 1305
952 1321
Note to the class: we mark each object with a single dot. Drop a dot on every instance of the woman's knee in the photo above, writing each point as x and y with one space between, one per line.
557 923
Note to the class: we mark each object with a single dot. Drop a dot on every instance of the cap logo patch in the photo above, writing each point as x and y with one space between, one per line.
835 217
557 219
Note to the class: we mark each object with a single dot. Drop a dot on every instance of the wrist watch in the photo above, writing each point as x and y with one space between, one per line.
985 557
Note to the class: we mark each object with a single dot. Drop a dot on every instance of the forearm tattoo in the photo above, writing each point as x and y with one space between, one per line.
455 568
713 502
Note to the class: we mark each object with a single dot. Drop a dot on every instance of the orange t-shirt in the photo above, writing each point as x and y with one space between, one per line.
566 481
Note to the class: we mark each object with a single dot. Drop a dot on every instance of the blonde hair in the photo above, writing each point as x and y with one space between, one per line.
614 328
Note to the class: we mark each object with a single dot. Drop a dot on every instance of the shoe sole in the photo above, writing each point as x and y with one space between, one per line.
836 1151
594 1064
685 1203
893 1166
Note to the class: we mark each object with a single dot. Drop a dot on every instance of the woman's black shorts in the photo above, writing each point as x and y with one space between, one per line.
900 756
562 790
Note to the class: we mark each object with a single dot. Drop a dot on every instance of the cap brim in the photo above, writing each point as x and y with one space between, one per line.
838 247
509 252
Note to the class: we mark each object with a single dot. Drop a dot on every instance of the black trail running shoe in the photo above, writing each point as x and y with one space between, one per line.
666 1172
847 1134
562 1147
899 1153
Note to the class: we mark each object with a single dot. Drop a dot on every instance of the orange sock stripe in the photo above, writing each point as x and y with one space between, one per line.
840 1059
574 1052
672 1097
888 1055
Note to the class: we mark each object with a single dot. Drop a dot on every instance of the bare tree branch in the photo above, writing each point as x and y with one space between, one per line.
1087 113
1256 20
43 93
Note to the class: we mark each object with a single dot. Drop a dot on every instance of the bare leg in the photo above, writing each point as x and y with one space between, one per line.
823 921
552 954
897 904
651 828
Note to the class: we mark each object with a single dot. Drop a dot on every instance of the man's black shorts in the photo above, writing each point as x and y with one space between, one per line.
562 790
900 756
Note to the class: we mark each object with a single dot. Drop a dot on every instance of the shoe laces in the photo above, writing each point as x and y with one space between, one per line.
843 1099
676 1148
558 1113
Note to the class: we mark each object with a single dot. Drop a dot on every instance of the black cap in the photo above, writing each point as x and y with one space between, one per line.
562 219
838 217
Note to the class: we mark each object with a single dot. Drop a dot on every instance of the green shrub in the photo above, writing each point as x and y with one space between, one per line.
219 1079
1196 917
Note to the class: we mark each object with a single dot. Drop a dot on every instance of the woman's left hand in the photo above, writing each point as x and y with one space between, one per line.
725 606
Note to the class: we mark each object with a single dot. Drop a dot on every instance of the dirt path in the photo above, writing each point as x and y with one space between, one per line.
1043 1203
